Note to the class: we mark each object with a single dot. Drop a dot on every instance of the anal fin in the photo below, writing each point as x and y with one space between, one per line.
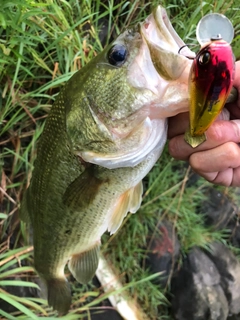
84 265
129 201
59 295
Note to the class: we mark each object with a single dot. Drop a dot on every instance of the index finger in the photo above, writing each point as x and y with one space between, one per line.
219 133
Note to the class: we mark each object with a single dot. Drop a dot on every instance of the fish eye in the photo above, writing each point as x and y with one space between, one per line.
117 55
204 58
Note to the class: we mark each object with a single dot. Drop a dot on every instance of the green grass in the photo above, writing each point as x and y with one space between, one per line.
42 43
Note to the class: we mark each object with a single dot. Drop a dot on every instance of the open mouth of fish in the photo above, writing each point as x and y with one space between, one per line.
164 44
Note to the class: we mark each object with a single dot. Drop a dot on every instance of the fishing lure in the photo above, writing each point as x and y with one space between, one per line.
210 82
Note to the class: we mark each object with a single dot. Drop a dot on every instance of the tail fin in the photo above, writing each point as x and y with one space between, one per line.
59 295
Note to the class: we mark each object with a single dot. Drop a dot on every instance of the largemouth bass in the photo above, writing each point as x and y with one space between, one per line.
104 133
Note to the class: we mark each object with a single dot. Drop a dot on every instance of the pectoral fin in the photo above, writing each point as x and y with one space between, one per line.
81 192
129 201
84 265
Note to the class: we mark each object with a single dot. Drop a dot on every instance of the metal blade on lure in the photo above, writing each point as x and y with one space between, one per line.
211 75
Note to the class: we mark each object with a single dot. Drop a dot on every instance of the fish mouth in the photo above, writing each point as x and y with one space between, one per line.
209 85
161 75
164 45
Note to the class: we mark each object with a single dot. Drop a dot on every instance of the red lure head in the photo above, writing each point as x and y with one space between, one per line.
210 83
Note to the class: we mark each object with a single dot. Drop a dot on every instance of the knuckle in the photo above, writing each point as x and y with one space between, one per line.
236 127
216 131
232 150
224 178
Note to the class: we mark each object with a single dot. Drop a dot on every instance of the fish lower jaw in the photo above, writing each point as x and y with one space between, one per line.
150 137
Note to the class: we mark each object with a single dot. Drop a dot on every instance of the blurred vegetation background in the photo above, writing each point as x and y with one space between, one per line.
42 44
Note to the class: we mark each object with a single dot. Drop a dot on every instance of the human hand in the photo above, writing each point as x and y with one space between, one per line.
218 158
